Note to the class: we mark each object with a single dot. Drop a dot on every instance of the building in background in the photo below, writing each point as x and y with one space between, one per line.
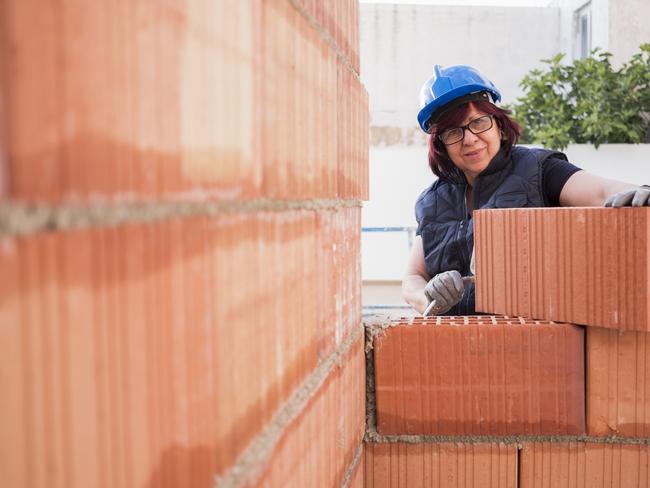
400 43
617 26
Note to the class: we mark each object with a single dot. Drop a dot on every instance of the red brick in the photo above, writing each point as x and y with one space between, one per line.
584 465
201 100
358 478
12 373
161 349
322 156
352 136
443 465
97 104
479 376
339 300
565 264
340 20
618 383
319 446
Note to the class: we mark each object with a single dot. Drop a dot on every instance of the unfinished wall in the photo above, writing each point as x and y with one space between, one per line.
484 401
179 243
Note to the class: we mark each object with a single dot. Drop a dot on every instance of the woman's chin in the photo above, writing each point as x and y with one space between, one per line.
476 168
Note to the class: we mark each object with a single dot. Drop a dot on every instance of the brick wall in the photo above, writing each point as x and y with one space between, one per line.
179 243
527 401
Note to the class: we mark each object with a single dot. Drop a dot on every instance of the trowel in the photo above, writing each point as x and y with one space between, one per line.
433 308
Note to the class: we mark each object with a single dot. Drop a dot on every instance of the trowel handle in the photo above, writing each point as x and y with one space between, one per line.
468 279
431 309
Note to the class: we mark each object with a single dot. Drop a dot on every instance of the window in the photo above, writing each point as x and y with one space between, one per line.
583 31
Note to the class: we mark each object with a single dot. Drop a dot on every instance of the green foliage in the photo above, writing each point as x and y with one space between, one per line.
586 102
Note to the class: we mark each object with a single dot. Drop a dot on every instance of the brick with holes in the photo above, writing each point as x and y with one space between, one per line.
479 375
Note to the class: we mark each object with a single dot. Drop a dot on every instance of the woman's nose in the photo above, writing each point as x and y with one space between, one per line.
469 137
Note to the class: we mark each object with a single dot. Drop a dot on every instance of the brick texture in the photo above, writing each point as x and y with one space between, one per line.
618 383
157 352
444 465
194 100
479 375
169 343
338 238
358 478
320 444
587 266
340 19
588 465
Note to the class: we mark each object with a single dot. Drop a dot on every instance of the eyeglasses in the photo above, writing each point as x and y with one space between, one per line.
457 134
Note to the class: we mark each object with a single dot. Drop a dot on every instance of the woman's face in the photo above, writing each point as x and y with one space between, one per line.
473 154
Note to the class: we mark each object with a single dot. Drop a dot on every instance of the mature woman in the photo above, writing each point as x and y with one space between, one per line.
472 151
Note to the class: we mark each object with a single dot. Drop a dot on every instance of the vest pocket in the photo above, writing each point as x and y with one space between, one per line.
509 200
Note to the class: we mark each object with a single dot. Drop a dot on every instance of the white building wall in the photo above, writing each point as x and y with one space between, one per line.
629 26
617 26
569 25
401 43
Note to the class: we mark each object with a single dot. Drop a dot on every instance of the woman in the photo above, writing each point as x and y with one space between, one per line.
472 151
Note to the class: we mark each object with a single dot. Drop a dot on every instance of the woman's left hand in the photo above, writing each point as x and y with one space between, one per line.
634 197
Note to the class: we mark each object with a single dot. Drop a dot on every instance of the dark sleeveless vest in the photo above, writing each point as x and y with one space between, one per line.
510 180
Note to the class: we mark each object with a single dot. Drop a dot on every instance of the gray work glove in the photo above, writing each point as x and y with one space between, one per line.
634 197
446 289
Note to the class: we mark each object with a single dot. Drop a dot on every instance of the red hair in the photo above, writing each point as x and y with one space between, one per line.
439 160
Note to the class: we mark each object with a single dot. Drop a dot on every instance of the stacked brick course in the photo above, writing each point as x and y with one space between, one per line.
179 244
444 464
568 402
584 465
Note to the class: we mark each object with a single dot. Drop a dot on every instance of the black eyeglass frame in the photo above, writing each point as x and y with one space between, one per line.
467 127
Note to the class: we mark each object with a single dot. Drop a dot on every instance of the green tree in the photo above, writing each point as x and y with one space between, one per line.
587 101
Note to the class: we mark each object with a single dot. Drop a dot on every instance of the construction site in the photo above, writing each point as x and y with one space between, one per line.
181 194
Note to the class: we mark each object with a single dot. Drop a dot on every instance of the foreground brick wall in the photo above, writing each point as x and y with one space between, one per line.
179 240
126 100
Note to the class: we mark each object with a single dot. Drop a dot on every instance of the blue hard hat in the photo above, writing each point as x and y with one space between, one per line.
460 84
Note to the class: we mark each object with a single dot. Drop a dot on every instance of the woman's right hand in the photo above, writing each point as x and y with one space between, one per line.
446 289
633 197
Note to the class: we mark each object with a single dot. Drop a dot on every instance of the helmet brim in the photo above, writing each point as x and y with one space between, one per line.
457 102
430 114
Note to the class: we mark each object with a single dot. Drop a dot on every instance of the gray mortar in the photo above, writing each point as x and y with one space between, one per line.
248 465
375 328
24 219
352 468
516 439
371 405
326 37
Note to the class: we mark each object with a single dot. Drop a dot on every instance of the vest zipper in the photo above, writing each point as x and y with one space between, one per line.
461 236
